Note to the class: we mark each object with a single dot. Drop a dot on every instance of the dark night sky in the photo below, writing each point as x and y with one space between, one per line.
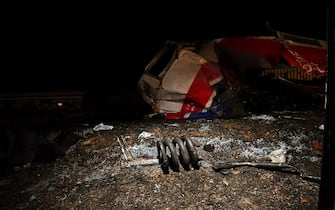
235 18
79 45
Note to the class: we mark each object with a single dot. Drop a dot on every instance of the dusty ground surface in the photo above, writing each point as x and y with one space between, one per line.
95 174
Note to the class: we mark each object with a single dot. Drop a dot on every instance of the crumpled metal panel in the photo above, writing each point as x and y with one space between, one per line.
201 79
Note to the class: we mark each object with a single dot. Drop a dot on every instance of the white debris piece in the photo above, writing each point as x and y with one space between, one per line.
262 117
102 126
279 155
145 135
254 152
172 124
204 128
322 127
143 150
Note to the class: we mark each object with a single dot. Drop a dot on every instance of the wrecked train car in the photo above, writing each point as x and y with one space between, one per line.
230 76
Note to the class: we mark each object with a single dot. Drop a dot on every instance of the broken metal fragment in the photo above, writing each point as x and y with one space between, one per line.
125 148
269 166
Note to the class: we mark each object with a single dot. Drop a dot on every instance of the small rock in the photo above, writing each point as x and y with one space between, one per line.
209 147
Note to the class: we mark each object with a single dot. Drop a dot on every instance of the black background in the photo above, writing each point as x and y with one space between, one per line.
104 45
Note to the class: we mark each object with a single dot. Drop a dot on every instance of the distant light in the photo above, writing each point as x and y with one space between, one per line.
59 104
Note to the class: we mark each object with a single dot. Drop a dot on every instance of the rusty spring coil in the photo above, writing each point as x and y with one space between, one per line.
181 151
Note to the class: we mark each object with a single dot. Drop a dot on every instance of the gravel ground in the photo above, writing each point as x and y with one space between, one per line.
95 173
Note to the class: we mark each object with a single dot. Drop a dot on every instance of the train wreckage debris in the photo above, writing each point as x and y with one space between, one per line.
230 76
179 151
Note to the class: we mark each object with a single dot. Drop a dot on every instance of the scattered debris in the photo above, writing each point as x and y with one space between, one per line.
95 173
102 126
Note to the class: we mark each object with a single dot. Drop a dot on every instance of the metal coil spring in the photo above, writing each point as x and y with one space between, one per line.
181 151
